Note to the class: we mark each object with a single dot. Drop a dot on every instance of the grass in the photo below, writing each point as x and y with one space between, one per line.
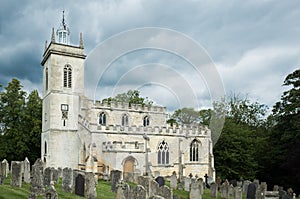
103 191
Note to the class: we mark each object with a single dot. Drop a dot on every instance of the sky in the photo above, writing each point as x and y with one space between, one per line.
246 48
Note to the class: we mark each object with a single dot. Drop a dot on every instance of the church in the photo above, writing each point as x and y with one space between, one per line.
98 137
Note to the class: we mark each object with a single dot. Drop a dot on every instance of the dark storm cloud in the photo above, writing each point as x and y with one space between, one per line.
254 44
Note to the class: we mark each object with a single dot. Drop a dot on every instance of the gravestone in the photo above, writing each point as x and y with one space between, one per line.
55 175
79 185
16 174
187 183
224 190
123 191
67 180
173 181
138 192
129 177
272 194
4 168
165 192
202 185
160 180
237 193
276 188
115 179
37 179
195 191
153 188
263 188
26 170
251 192
90 185
47 176
245 186
145 182
51 193
59 170
213 190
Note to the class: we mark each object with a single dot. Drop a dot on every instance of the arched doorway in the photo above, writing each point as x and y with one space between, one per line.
129 164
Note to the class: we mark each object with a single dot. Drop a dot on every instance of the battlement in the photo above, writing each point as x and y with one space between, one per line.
137 147
127 107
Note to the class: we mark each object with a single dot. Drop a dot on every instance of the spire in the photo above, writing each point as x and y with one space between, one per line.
81 41
53 36
63 32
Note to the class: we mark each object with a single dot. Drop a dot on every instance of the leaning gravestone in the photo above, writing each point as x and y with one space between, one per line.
173 181
67 180
16 174
90 185
251 192
195 191
160 180
213 190
115 178
138 192
79 185
26 170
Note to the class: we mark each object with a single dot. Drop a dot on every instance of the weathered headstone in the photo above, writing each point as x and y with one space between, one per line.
237 193
37 179
145 182
47 176
251 192
213 190
276 188
16 174
129 177
272 194
26 170
173 181
123 191
79 185
165 192
4 168
263 188
160 180
138 192
50 192
187 183
115 179
59 169
195 191
224 190
245 186
90 185
54 175
67 180
202 185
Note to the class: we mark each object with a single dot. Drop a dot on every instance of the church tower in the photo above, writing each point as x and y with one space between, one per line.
63 86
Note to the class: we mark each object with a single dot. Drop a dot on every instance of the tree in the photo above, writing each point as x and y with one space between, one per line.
285 136
186 116
20 118
131 97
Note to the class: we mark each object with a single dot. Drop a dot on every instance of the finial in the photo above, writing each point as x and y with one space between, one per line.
46 46
63 21
53 36
81 41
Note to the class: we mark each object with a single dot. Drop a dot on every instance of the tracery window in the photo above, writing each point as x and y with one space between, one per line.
125 120
67 76
163 153
102 118
146 121
194 151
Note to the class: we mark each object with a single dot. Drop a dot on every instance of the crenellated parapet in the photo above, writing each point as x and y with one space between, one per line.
129 107
115 146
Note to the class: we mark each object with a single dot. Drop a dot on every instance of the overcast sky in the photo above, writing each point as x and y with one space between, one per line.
253 44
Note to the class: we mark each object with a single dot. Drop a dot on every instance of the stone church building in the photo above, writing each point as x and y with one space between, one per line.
99 137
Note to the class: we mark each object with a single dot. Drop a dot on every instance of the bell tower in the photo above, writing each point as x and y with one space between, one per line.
63 86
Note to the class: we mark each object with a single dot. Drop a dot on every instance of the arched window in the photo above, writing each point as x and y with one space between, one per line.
68 76
163 153
102 118
124 120
194 151
146 121
46 78
45 148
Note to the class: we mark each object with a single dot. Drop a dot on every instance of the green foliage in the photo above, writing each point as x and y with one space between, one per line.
131 97
186 116
20 120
